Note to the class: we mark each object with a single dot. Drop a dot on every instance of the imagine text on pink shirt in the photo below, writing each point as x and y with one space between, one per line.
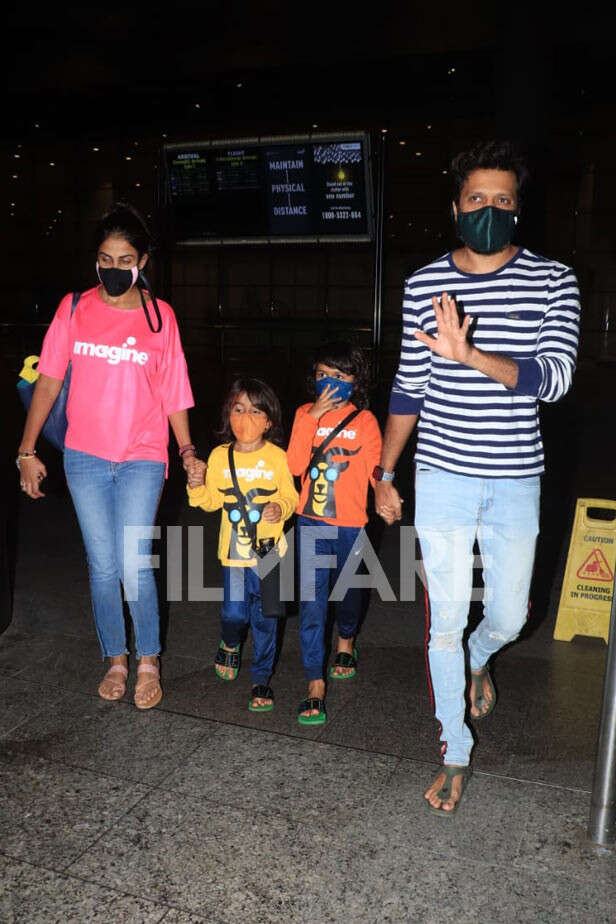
125 380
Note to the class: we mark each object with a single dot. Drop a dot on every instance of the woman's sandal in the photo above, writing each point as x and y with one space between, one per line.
344 659
226 658
478 701
155 700
259 691
450 771
312 703
119 686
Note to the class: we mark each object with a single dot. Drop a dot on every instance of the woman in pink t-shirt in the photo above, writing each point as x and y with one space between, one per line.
128 383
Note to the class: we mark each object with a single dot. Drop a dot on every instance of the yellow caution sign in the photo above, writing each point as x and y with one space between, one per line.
586 596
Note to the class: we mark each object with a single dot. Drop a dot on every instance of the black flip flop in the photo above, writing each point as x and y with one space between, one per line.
479 700
450 771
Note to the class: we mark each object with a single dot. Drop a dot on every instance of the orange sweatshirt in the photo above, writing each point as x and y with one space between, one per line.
335 490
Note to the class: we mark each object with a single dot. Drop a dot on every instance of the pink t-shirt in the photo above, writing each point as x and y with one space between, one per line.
125 380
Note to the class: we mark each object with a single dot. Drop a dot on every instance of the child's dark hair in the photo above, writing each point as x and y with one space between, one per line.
489 155
347 358
261 396
122 220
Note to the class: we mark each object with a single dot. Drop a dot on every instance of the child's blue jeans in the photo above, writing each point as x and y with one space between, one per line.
313 540
242 608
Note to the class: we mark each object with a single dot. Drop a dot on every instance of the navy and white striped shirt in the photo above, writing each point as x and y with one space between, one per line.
527 310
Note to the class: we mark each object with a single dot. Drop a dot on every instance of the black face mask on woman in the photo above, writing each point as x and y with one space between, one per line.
117 281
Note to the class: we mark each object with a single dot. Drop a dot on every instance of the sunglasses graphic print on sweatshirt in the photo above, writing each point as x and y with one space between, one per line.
334 485
240 540
324 474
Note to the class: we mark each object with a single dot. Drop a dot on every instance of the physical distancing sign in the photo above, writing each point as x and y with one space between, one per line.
586 595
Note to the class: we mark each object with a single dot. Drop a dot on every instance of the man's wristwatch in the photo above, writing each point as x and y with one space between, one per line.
379 474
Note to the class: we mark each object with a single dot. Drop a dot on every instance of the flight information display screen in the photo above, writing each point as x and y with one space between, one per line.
297 189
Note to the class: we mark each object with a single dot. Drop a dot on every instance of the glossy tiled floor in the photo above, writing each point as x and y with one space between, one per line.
203 811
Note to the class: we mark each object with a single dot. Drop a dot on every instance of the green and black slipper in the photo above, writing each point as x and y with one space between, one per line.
344 659
227 659
259 691
312 703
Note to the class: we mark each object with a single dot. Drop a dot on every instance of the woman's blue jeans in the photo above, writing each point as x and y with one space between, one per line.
109 496
451 511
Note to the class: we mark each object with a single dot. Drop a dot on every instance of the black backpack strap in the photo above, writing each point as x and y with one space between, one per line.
147 285
251 528
320 450
74 303
76 297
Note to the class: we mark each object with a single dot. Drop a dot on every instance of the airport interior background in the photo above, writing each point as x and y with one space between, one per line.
86 123
95 95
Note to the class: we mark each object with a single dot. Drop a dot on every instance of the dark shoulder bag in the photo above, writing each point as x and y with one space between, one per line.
56 424
319 451
269 582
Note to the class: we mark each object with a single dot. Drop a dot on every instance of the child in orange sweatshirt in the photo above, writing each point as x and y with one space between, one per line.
332 508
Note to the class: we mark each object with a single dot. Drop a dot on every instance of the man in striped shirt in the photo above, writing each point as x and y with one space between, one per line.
489 330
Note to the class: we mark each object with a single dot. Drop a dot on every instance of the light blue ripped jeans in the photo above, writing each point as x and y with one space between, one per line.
451 511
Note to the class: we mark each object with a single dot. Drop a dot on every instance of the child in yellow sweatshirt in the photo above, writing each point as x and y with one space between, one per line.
251 426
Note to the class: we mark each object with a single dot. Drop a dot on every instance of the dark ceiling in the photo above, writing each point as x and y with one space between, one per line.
190 42
74 68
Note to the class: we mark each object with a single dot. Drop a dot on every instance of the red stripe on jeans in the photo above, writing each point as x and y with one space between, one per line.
427 660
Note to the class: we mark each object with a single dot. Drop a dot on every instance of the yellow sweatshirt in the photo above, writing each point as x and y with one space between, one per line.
263 477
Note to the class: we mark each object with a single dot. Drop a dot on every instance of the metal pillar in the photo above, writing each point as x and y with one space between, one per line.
602 823
378 255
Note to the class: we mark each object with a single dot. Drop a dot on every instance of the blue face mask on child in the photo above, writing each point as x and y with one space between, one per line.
344 390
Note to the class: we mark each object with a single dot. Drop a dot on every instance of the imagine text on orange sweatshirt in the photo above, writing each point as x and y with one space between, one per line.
335 490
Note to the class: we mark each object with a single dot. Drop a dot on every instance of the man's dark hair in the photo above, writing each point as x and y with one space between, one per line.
262 397
345 356
489 155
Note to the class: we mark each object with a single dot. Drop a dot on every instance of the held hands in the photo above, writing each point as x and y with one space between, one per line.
195 471
388 502
327 401
452 340
272 512
31 473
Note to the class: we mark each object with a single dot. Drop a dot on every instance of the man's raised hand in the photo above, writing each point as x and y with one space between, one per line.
451 341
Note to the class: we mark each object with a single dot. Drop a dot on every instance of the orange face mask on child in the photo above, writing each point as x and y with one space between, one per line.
247 428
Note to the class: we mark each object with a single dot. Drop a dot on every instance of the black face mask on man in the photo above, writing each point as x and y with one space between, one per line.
487 230
117 281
